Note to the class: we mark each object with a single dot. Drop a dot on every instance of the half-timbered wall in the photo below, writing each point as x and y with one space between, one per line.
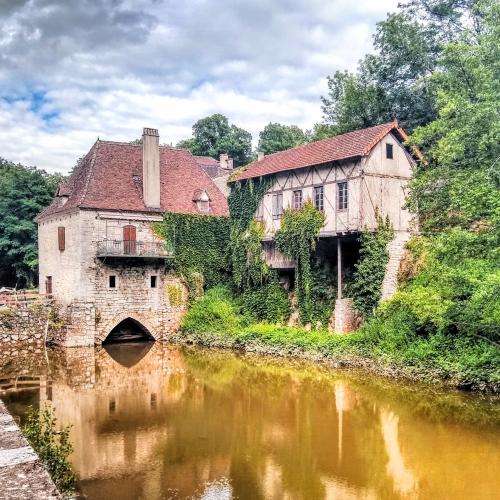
374 183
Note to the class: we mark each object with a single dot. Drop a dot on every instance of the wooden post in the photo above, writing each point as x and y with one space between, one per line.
339 269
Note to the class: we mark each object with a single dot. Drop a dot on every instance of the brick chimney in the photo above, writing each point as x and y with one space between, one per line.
260 155
223 160
151 167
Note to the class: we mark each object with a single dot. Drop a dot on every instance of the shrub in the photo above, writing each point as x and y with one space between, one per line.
216 312
267 303
53 446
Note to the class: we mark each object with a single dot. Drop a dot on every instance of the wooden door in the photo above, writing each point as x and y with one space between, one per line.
129 239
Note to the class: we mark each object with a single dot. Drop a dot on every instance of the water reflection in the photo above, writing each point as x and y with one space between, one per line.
155 421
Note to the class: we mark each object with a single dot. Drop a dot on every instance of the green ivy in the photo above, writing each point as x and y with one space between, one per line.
249 268
365 287
297 238
200 247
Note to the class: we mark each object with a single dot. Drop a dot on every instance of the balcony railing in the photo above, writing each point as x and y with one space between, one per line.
144 249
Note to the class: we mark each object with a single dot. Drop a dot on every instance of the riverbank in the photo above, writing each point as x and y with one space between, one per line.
22 473
456 361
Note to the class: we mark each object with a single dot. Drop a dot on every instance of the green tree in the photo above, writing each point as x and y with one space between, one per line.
214 135
24 193
459 185
394 82
277 137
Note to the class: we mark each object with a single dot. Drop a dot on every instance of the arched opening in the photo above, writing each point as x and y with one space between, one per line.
128 354
129 330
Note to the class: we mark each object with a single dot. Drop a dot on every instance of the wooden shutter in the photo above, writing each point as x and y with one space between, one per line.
129 237
61 238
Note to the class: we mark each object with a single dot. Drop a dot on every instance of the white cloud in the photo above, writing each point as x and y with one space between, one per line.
73 70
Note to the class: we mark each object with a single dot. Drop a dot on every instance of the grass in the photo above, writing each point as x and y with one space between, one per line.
388 344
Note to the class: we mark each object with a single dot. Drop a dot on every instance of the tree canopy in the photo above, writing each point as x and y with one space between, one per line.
214 135
277 137
24 193
395 81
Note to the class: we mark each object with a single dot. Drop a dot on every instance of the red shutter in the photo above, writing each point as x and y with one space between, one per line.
61 237
129 237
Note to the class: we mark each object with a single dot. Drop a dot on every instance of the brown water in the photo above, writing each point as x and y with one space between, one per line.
153 421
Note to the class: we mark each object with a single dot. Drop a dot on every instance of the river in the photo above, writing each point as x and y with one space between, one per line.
153 421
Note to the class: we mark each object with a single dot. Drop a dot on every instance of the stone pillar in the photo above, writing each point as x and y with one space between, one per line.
344 316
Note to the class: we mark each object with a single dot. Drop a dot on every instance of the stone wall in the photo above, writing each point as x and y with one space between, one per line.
24 326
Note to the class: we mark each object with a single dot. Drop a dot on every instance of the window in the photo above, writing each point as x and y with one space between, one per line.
342 198
277 205
259 214
112 281
297 199
153 281
61 238
319 198
203 205
389 153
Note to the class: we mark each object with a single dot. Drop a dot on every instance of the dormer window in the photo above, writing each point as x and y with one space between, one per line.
202 200
62 194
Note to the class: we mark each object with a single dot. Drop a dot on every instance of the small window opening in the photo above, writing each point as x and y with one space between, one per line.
153 402
297 199
319 202
112 281
112 406
389 153
153 281
61 238
343 194
277 205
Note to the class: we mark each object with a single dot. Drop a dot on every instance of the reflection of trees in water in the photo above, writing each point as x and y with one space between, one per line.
180 418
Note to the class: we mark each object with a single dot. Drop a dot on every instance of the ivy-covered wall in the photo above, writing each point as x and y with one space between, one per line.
200 247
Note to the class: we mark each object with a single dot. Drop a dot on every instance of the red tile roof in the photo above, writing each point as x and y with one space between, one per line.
110 178
340 147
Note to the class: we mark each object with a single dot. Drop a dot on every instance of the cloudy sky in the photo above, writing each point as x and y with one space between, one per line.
72 70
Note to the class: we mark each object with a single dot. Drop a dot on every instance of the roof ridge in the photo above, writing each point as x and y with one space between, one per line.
124 143
393 124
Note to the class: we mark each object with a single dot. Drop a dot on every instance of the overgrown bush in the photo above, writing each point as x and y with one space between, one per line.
297 238
267 303
52 445
216 312
365 286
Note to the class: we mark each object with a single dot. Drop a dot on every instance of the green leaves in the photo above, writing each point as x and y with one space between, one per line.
52 445
297 238
277 137
214 135
24 193
365 286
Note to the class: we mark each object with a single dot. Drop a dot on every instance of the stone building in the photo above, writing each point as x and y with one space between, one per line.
99 256
351 178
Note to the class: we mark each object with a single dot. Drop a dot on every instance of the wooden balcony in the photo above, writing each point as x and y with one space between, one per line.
134 249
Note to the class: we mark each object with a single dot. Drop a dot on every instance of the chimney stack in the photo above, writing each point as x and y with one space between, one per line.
151 167
230 164
223 160
260 155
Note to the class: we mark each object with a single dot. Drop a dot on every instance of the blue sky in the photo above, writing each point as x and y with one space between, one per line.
72 70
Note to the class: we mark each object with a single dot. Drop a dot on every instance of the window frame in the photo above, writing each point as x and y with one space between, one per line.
115 284
342 196
203 205
389 151
153 281
297 199
319 189
61 238
277 208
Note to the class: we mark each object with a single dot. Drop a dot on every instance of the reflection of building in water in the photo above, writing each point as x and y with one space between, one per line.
345 400
404 481
117 412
